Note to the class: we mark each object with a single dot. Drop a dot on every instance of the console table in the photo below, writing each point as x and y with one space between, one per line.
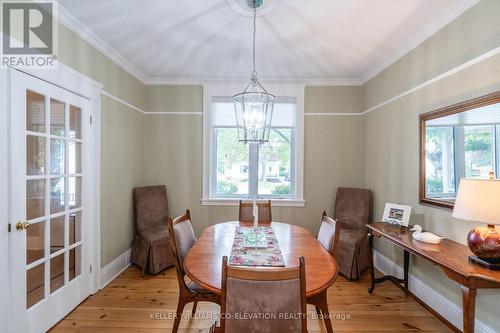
450 256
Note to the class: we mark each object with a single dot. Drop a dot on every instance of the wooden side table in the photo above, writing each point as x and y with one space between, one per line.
450 256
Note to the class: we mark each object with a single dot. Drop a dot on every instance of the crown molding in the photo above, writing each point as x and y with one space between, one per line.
74 24
427 31
203 81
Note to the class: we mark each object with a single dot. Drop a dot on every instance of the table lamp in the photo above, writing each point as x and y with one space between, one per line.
479 200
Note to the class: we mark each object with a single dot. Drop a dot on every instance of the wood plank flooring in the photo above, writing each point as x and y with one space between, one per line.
140 304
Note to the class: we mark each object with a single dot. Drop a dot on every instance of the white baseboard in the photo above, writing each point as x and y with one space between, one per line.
115 268
429 296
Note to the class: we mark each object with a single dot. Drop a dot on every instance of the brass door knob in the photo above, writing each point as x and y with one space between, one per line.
21 225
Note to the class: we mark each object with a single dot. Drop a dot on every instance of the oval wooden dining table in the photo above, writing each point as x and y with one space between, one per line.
203 263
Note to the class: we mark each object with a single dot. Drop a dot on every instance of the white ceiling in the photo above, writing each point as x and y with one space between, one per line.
314 41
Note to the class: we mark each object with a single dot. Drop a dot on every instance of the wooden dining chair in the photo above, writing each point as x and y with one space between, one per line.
329 233
279 292
182 239
328 236
246 211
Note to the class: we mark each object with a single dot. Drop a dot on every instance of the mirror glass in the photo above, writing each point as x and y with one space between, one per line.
455 145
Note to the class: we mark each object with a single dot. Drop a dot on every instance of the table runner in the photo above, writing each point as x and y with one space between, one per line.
249 256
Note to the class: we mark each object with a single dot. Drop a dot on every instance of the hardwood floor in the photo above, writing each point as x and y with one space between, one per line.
140 304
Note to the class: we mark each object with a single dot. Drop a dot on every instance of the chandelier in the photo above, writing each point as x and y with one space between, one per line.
254 106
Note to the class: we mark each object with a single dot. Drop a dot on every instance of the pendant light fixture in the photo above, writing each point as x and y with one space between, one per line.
254 106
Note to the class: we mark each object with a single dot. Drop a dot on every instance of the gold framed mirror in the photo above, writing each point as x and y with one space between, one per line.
458 141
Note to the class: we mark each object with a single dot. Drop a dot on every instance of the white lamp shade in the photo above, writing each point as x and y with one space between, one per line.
478 200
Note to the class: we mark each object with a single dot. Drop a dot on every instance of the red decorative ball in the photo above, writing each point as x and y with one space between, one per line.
484 242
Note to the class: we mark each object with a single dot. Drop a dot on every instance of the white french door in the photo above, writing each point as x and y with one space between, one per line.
50 187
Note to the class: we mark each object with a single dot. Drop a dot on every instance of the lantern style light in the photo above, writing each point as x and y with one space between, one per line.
254 106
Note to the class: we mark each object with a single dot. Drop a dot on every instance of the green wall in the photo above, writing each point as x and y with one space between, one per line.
121 142
391 132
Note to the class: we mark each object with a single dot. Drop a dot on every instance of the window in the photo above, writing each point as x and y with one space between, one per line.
440 163
460 151
245 171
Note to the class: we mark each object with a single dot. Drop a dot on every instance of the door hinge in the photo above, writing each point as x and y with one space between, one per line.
91 120
90 268
9 227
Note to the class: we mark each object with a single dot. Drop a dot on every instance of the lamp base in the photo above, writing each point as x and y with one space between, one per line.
493 264
484 242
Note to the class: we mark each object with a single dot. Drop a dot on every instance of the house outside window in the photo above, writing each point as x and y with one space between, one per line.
457 151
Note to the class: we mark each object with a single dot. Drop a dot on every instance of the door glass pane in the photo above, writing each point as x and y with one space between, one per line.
75 262
35 198
35 285
75 227
440 162
35 112
232 163
74 163
57 148
56 195
75 122
479 151
56 272
57 116
75 192
35 242
275 164
56 234
35 155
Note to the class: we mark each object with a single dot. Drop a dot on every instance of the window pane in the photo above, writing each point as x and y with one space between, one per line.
56 195
75 227
440 164
35 198
35 285
75 122
275 164
75 192
479 151
35 155
75 260
57 154
74 163
57 116
56 234
56 272
35 112
35 242
232 163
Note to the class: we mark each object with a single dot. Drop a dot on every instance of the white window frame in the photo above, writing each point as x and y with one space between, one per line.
280 90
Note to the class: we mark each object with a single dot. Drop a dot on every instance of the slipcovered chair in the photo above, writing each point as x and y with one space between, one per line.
151 247
328 236
272 291
352 211
246 212
329 233
181 233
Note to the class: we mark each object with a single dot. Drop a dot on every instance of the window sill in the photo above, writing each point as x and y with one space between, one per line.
236 202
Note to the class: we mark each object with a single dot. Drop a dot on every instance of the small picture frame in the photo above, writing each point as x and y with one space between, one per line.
397 214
